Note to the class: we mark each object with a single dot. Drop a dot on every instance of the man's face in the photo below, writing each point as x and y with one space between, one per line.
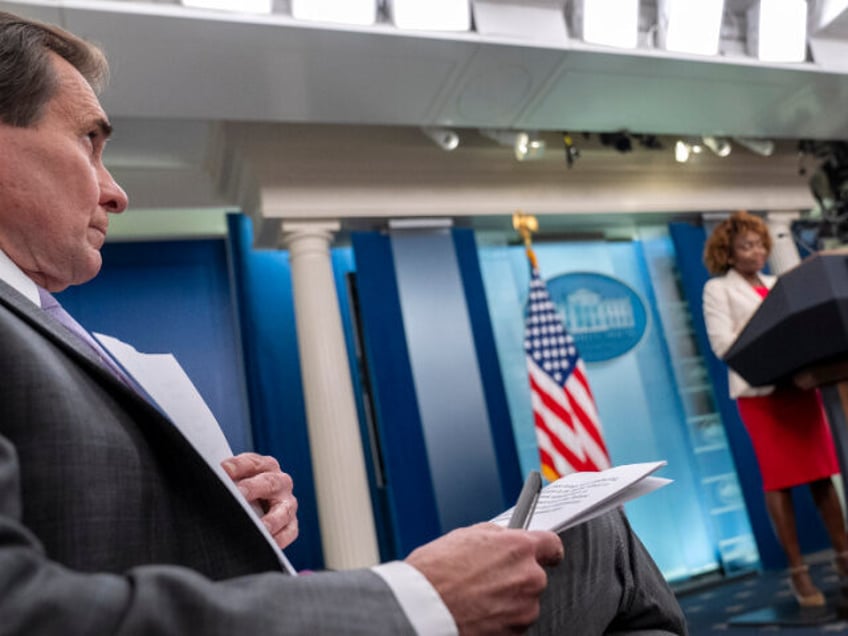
55 193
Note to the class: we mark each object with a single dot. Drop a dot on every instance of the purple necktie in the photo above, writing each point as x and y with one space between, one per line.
50 305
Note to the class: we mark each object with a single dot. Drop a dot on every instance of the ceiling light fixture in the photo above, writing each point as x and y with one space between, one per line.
719 145
444 138
527 146
682 151
763 147
685 148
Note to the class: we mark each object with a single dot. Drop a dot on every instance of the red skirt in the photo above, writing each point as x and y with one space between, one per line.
791 437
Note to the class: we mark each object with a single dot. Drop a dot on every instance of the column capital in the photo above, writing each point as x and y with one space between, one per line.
294 234
310 227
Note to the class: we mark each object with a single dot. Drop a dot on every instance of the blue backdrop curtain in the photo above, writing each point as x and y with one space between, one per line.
419 292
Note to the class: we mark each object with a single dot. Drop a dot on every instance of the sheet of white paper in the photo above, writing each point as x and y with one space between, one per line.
168 385
643 487
579 497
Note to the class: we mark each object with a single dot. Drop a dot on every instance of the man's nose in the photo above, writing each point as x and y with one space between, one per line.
112 196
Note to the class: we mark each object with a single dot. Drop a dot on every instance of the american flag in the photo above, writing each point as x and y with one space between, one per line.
568 429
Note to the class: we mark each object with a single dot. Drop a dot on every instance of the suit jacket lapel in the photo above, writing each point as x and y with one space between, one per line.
81 353
736 280
59 334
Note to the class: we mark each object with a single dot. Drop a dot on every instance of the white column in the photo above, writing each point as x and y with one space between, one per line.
784 254
344 503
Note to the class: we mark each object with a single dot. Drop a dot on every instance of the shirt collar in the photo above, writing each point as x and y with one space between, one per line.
12 275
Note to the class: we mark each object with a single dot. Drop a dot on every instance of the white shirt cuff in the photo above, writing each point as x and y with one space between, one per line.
417 598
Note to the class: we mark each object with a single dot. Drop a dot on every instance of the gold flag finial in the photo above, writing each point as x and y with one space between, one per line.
525 225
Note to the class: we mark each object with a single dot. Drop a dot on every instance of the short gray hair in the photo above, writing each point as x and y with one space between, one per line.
27 78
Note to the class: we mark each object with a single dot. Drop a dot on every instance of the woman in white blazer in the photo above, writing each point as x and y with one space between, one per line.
787 426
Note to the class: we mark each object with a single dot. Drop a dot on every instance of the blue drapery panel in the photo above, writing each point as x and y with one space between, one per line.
487 357
689 245
418 293
262 280
409 487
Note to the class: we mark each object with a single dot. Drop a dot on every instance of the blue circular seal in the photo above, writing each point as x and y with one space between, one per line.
605 317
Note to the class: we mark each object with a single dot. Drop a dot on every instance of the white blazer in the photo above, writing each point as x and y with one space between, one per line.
729 302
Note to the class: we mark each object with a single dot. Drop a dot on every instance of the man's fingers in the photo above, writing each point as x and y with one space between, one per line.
280 515
249 465
281 521
285 537
271 487
549 548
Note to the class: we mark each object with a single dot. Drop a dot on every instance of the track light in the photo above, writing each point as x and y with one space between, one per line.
618 140
719 145
684 149
681 151
526 145
444 138
763 147
529 146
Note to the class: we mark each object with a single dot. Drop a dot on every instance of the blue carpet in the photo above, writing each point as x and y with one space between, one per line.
748 605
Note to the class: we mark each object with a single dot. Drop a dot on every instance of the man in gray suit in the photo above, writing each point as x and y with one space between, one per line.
111 522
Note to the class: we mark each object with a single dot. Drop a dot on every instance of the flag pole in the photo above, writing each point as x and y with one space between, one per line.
568 430
525 225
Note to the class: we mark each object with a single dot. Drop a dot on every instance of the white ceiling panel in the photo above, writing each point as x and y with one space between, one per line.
646 103
173 62
169 66
496 85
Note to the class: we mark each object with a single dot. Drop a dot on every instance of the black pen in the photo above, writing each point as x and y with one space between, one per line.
526 504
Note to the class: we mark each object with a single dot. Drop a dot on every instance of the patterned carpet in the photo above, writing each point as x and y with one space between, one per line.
763 604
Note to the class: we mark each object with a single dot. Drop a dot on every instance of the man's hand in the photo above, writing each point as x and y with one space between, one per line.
489 577
260 480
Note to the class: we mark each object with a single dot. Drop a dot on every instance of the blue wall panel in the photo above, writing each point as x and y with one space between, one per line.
487 359
451 401
409 485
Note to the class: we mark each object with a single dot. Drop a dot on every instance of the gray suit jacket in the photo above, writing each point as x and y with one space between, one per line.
111 523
